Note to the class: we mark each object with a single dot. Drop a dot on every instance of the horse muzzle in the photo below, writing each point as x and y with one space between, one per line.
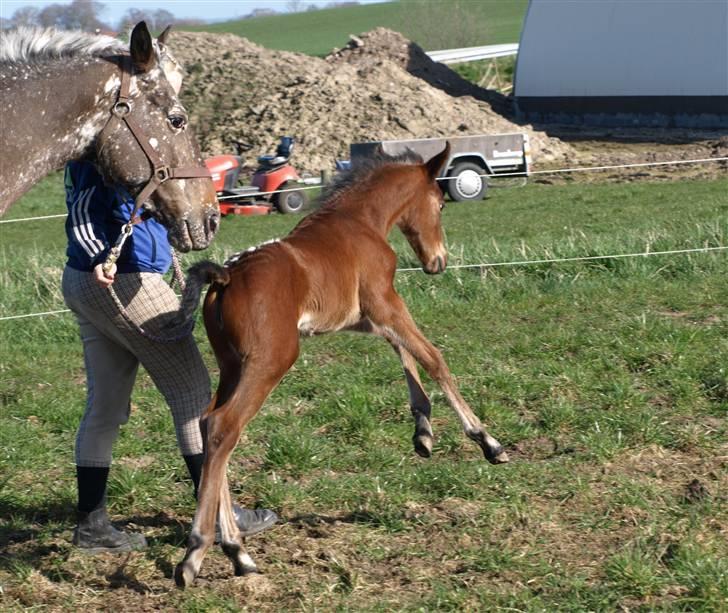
194 234
436 265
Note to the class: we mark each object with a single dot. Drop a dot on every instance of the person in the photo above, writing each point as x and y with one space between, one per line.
117 330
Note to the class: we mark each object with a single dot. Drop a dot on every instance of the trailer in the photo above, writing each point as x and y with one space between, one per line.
472 158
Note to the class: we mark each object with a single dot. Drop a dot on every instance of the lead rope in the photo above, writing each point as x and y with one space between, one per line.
178 276
176 332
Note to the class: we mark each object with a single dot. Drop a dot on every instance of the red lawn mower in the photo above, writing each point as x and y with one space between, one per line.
274 173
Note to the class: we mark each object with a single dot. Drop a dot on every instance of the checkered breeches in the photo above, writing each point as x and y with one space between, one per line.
113 350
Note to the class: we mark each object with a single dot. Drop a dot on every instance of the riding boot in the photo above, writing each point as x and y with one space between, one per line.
252 521
94 532
249 521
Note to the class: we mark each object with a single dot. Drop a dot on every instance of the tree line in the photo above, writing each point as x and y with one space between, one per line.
86 15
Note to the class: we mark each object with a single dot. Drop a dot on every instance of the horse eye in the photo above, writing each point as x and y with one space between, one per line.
177 121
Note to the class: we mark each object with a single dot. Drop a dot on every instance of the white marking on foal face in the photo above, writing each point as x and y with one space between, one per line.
154 143
306 324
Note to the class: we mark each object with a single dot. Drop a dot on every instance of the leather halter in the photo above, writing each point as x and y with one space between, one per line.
161 173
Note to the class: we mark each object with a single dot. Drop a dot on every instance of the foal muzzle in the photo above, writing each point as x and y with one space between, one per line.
436 265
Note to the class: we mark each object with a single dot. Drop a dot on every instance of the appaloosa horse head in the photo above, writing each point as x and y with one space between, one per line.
68 95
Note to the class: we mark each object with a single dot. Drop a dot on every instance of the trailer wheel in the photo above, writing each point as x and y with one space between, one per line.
291 201
466 182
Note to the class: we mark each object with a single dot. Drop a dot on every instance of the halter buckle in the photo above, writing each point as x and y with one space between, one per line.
162 173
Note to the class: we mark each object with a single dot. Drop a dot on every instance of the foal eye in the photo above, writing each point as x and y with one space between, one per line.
177 121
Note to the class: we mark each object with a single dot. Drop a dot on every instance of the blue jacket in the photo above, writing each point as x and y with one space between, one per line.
96 213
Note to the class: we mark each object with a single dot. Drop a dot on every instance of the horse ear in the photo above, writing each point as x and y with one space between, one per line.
141 49
162 38
436 163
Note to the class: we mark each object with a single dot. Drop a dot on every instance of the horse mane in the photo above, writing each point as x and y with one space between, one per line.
36 45
363 169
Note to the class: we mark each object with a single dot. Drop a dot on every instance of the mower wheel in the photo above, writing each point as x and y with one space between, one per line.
290 200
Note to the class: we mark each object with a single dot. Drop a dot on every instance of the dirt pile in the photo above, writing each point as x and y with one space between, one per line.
236 90
370 49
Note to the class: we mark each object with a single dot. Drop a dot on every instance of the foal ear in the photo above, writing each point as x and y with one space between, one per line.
162 38
436 163
141 48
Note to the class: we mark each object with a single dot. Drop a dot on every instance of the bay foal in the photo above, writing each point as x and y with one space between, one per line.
334 271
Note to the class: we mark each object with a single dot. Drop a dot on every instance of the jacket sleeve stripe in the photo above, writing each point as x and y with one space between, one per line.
79 224
99 246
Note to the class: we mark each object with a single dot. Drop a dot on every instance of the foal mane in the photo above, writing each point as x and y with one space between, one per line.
355 178
25 45
363 170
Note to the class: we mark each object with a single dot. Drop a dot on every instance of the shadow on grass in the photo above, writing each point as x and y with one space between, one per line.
362 516
37 538
33 518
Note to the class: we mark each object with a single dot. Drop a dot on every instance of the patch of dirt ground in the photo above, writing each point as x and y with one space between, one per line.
317 560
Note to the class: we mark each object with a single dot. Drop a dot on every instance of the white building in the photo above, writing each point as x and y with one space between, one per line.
624 62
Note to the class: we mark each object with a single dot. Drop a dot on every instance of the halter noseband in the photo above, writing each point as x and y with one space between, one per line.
161 173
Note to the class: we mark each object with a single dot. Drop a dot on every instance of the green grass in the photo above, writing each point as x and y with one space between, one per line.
433 24
497 74
605 379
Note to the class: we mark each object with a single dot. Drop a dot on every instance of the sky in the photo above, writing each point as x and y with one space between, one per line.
215 10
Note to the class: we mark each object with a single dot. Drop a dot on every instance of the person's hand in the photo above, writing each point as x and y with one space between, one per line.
103 279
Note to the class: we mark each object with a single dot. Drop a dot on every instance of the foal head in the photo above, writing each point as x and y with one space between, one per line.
421 219
186 206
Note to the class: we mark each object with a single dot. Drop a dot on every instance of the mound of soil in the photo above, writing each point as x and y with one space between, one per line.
380 86
369 49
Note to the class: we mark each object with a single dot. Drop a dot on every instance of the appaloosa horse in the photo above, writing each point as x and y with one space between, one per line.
334 271
67 95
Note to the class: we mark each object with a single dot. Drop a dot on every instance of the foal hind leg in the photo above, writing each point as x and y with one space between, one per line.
230 540
394 322
224 426
419 403
217 450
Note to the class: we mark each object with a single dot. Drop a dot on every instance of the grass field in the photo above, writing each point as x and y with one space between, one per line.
605 379
433 24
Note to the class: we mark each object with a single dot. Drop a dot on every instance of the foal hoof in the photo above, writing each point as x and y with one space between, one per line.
242 563
500 457
241 570
423 445
491 448
184 576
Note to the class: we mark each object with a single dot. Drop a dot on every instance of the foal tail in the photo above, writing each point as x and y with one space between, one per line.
200 274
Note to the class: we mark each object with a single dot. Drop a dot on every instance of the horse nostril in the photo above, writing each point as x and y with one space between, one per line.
438 265
213 222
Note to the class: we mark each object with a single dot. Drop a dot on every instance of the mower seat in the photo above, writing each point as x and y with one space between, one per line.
271 161
281 156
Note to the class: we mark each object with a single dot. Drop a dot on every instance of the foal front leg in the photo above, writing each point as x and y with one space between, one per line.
392 320
419 403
